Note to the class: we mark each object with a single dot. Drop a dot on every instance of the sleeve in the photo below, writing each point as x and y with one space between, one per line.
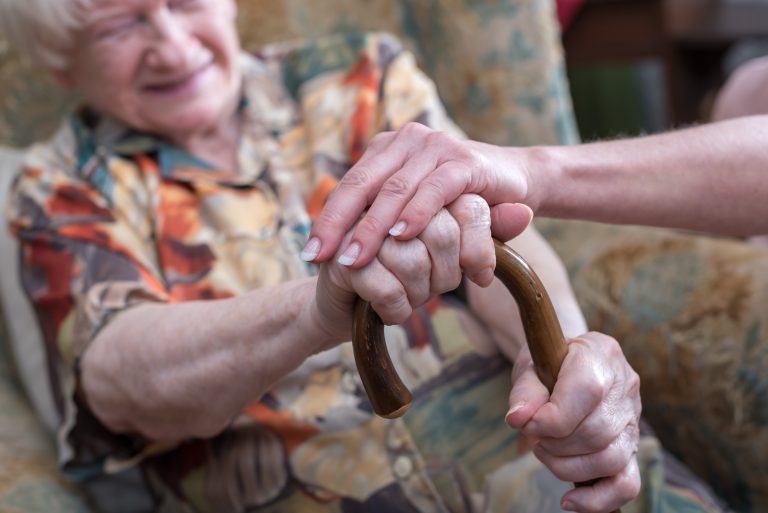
409 95
349 88
81 262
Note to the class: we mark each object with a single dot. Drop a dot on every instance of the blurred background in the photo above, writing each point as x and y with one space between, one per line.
644 65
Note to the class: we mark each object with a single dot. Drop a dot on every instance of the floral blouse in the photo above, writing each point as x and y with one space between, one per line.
109 218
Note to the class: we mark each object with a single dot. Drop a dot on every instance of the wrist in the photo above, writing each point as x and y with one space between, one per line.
327 333
329 310
541 165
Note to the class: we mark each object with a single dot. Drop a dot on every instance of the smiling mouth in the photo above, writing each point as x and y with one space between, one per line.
178 85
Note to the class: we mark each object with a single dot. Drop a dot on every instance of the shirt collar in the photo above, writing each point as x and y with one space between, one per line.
267 109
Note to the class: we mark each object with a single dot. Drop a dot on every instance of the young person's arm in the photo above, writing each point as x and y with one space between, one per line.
710 178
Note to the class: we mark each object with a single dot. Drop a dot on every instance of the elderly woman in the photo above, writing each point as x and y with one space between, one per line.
198 362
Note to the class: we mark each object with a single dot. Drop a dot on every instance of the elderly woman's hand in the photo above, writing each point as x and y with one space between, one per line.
588 430
405 274
406 177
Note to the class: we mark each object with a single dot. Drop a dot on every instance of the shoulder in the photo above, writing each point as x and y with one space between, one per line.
46 171
300 63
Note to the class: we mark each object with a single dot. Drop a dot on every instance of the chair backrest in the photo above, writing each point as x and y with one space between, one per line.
498 65
25 340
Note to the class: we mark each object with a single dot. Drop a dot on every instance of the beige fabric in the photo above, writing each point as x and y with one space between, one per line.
25 339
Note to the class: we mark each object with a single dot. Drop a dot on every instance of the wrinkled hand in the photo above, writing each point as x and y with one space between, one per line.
408 176
589 428
406 274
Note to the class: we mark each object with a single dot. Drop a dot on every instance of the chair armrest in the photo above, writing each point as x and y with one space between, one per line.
690 313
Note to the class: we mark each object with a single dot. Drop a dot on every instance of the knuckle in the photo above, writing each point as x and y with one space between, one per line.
442 233
477 256
391 297
598 434
415 266
359 178
613 460
447 226
472 210
393 306
594 389
395 187
380 140
561 470
419 209
446 283
480 209
608 345
370 225
436 138
557 429
329 218
628 488
446 237
413 129
472 159
420 266
401 316
433 187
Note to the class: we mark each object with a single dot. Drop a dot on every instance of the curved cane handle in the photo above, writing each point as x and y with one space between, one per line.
389 396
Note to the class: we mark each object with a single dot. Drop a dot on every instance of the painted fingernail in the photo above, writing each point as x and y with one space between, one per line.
350 254
311 249
398 229
568 506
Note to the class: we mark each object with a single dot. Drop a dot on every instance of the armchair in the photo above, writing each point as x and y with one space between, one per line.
498 66
686 308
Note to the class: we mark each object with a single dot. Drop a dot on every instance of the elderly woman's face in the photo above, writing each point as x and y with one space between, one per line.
162 66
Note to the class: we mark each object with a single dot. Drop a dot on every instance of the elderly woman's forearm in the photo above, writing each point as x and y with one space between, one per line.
185 370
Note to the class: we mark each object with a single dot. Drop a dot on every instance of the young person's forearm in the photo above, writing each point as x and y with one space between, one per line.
711 178
183 370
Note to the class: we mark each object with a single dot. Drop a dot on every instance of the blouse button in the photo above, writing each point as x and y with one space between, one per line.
348 383
403 467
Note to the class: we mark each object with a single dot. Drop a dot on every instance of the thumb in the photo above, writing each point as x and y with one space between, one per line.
527 396
508 220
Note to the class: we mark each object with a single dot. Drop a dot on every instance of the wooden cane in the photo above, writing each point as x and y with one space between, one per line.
390 398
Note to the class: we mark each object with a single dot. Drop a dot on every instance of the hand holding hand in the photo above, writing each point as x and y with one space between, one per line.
406 274
588 429
407 177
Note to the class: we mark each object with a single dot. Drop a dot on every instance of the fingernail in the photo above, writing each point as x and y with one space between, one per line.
350 255
398 229
568 506
512 410
311 250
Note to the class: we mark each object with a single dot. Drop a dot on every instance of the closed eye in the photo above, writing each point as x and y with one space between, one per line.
117 27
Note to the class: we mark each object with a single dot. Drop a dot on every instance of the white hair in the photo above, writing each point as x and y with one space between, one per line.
43 30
